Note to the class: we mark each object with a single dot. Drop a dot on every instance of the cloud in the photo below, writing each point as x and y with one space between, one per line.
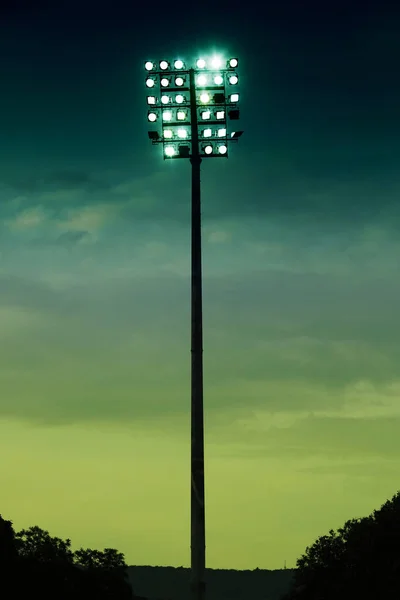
40 227
281 341
89 219
30 218
72 237
218 237
65 179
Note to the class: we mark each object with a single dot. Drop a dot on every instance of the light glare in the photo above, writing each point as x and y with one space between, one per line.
168 133
167 115
169 150
216 62
218 80
204 98
201 63
178 64
202 80
182 133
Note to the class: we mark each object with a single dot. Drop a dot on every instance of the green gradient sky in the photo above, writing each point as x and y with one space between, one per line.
301 291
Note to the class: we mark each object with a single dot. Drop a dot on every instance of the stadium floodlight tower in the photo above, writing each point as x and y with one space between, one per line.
192 105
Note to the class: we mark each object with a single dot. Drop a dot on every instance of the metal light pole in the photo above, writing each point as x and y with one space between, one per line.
197 508
205 96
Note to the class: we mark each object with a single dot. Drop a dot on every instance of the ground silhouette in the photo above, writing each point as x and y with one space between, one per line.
359 560
173 583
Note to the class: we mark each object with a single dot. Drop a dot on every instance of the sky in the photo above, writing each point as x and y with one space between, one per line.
301 279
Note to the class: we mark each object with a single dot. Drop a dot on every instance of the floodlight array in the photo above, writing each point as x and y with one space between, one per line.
215 83
203 63
212 132
215 150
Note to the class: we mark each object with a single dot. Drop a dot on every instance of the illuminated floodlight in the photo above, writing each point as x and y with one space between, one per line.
216 62
169 151
213 107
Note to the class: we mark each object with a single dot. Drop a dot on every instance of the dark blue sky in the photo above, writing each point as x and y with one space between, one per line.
320 91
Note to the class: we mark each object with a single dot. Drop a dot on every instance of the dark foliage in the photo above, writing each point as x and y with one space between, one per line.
35 564
360 560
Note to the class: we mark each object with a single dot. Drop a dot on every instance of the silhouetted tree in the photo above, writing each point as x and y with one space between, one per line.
108 559
39 544
8 550
360 560
35 564
108 571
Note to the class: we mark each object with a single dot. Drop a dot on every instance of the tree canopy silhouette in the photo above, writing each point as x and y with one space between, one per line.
40 545
33 563
360 560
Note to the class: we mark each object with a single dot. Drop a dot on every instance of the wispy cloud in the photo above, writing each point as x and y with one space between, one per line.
30 218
